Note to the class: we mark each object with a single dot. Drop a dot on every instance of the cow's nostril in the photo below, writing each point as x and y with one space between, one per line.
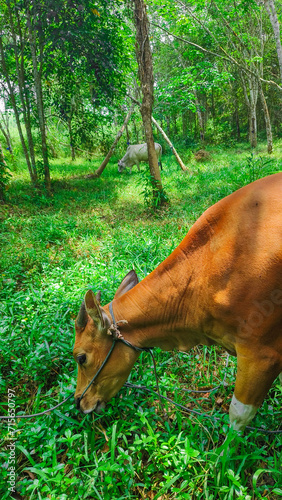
77 401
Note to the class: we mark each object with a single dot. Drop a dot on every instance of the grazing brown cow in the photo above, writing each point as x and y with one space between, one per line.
222 285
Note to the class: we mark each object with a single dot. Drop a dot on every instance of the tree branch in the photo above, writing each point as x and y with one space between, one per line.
225 57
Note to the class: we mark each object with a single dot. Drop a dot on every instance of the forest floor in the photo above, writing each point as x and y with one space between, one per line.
89 234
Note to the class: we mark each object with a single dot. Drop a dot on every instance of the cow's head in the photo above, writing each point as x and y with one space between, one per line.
121 166
92 344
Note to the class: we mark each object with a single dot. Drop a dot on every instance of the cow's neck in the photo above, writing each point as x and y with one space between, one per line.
164 309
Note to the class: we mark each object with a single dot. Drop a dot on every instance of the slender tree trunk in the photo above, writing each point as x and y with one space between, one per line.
2 159
184 124
127 135
200 117
270 7
253 125
71 140
238 132
267 120
32 173
145 70
4 127
253 85
104 163
236 117
3 166
251 101
23 91
39 98
6 134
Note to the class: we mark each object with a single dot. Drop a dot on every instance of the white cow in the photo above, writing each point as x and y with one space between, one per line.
137 153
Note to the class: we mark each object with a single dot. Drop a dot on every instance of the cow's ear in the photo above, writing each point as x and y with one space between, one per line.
82 317
96 312
128 282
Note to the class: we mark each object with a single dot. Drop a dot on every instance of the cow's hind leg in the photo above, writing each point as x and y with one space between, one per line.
280 378
254 378
240 414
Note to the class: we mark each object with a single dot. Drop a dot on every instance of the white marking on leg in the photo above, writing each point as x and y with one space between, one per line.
240 414
280 378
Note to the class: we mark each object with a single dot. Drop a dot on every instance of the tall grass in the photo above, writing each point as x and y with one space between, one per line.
89 234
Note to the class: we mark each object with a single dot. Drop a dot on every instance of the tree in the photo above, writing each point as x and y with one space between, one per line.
145 72
52 38
232 33
270 7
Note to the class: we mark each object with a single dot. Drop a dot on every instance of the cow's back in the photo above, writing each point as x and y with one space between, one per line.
242 258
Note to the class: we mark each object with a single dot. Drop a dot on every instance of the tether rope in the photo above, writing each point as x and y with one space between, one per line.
157 393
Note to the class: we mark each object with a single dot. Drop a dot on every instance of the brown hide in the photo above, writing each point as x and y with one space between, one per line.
222 285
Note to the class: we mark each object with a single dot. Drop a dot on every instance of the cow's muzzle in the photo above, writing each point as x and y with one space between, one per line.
120 167
98 407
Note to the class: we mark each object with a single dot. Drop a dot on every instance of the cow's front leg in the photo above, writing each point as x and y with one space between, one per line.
137 164
254 379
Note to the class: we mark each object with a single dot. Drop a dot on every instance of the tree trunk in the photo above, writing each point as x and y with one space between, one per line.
267 120
251 102
236 118
3 166
32 172
200 117
6 133
253 126
4 127
39 98
2 159
104 163
71 140
184 124
23 91
127 135
145 71
270 7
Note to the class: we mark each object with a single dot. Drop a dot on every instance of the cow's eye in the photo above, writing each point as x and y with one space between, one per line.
81 359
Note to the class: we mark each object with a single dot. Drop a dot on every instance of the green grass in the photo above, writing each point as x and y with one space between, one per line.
90 233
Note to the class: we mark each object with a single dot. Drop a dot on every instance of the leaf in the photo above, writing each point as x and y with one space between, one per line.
26 453
277 491
256 476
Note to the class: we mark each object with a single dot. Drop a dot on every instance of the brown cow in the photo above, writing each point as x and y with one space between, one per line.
222 285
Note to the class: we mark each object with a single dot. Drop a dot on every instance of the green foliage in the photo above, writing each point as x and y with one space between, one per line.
5 177
257 166
201 52
153 198
80 52
89 235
